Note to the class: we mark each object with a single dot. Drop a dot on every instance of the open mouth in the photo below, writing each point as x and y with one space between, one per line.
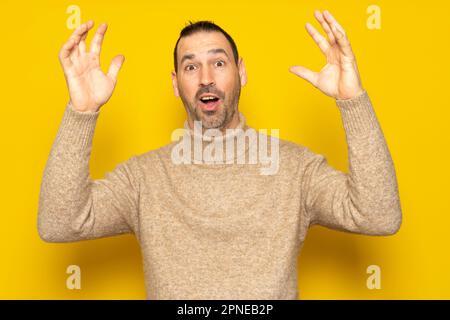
209 102
209 99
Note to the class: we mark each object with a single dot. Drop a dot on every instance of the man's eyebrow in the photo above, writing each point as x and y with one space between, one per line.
190 56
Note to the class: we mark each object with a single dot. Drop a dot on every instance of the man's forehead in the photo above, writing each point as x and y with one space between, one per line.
202 42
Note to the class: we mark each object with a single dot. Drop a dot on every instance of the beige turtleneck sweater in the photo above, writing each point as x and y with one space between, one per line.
220 230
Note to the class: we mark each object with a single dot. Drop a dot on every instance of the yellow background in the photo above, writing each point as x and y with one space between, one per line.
404 67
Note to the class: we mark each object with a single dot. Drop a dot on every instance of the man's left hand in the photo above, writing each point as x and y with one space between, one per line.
339 78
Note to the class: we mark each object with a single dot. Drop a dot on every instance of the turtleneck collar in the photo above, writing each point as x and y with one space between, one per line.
215 142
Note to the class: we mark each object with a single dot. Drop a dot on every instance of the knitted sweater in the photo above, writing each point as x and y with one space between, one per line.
220 230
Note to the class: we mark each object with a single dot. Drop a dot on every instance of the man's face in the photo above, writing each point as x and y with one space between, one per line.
206 67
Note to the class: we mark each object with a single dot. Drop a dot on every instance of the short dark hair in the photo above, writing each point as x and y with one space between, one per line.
207 26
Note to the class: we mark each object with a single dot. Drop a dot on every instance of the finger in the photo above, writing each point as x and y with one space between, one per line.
318 38
82 47
80 33
64 53
82 44
115 66
325 26
78 36
340 35
83 37
306 74
96 43
344 44
332 20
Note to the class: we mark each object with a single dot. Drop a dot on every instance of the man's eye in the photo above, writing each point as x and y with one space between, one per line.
188 67
221 63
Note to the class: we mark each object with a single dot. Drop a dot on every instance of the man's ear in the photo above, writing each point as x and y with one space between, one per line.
175 84
242 72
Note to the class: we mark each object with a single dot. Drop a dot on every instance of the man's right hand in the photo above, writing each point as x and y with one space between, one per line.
89 87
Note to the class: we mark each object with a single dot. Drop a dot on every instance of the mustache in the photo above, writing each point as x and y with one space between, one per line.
210 89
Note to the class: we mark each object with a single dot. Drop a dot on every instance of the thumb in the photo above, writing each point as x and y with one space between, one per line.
115 66
305 73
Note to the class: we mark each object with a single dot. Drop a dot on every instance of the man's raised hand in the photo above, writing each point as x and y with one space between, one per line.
339 78
89 88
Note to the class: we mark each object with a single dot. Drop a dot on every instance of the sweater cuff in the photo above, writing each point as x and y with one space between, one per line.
358 115
77 128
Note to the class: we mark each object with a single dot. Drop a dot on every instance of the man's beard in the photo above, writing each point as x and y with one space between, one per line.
216 119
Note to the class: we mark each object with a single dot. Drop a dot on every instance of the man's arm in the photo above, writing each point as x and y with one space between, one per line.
366 200
74 207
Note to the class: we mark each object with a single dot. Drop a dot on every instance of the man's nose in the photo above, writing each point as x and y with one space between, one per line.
207 77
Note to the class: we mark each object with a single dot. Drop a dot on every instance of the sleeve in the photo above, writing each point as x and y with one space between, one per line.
74 207
365 200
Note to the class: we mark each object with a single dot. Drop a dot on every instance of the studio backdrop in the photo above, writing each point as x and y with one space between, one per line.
402 50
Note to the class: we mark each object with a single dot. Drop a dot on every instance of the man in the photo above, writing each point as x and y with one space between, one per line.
217 230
